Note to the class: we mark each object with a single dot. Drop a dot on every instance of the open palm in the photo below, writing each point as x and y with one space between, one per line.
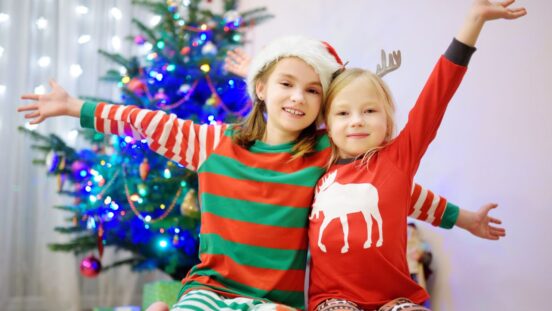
495 10
55 103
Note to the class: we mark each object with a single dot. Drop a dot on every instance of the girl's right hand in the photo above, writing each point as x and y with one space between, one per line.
56 103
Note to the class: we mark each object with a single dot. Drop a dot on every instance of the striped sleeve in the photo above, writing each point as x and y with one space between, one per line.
426 206
179 140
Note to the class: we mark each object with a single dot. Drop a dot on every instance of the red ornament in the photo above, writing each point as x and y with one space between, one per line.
137 86
185 50
90 267
144 169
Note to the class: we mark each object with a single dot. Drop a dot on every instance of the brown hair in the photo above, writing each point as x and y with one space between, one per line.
253 126
339 83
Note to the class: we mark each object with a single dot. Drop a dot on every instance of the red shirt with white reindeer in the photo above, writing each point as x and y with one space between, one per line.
357 231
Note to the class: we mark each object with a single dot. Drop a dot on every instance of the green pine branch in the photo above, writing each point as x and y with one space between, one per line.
150 34
73 229
116 58
78 245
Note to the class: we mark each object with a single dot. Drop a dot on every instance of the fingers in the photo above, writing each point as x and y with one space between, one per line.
506 3
516 13
37 120
53 84
244 56
27 107
495 220
237 56
30 96
32 115
487 207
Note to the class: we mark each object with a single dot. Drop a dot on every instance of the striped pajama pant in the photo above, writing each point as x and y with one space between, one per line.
204 300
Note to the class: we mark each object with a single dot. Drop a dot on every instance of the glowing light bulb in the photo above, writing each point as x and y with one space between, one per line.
205 68
40 89
4 18
116 42
44 61
116 13
81 10
84 39
75 70
41 23
154 21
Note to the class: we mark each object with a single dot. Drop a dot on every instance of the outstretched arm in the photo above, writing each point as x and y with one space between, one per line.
54 104
483 11
434 209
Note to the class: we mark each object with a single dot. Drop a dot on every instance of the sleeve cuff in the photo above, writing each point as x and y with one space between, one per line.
87 114
459 53
449 216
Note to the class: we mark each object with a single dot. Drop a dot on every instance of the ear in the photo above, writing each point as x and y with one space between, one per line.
260 90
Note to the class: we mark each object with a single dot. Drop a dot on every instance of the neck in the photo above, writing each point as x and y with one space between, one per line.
277 137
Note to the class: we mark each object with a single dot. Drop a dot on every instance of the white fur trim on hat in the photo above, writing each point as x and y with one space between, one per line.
313 52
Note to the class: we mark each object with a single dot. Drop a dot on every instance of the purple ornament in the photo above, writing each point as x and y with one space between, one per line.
139 40
90 267
79 169
161 97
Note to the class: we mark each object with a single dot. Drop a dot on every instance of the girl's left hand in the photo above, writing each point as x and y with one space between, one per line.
481 224
496 10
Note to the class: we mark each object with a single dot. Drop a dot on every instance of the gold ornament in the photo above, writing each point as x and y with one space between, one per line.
189 205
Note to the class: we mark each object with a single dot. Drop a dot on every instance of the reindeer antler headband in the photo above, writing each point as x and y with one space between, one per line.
382 69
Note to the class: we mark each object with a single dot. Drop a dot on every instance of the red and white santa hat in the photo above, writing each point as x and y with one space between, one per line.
318 54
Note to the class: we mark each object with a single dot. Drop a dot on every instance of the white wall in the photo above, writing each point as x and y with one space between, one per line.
495 142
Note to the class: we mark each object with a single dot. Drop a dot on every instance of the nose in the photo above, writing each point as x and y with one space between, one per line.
297 96
357 120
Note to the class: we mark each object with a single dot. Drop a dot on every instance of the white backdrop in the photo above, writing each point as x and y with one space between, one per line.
495 142
493 145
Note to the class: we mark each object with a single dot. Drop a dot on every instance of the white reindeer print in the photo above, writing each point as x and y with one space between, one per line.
337 201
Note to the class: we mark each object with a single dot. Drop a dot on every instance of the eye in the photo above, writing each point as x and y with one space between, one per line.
342 113
314 91
370 110
285 84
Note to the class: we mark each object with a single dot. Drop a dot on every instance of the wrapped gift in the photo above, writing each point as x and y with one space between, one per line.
166 291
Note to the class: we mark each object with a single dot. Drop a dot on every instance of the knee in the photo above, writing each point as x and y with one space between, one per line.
158 306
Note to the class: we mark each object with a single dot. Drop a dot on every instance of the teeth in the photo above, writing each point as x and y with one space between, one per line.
293 111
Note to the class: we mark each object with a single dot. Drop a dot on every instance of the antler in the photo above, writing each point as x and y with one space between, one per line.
394 63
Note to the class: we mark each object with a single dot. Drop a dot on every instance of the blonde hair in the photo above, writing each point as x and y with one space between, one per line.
339 83
253 127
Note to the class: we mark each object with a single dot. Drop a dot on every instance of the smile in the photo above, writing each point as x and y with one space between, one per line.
294 112
358 135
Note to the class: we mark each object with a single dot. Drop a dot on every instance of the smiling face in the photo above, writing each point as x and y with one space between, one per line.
359 115
293 96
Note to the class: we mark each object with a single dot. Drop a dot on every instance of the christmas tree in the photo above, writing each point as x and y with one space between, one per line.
125 195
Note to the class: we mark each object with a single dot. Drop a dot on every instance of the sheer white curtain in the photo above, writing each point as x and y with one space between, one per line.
31 276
